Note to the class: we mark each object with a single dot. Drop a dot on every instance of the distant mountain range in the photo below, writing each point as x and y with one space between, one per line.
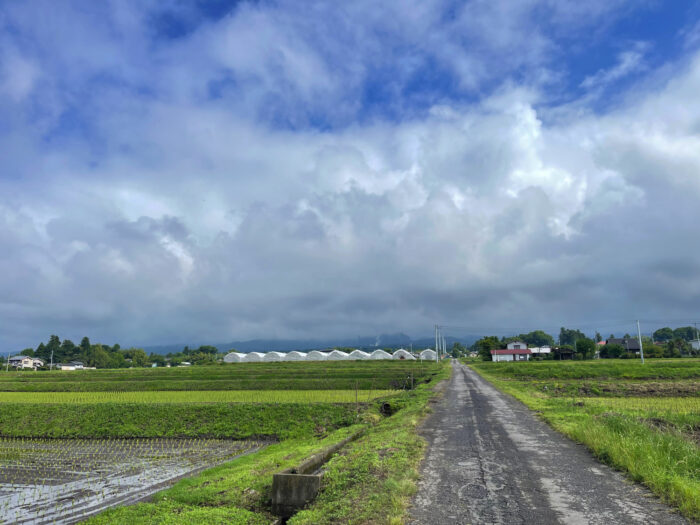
287 345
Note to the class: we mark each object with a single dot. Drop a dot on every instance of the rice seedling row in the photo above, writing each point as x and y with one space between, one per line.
225 396
63 481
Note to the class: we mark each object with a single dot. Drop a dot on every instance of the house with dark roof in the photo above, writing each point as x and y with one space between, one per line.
631 344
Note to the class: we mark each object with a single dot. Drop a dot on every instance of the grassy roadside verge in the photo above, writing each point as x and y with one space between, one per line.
653 446
369 481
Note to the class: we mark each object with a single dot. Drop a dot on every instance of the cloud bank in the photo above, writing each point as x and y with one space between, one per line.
175 174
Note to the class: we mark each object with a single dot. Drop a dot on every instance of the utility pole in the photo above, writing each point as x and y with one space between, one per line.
437 356
639 335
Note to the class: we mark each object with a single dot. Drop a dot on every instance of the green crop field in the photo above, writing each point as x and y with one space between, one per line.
347 375
643 419
198 396
281 412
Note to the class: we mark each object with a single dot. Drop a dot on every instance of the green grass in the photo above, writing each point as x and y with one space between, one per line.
221 396
343 375
222 420
654 440
597 369
369 481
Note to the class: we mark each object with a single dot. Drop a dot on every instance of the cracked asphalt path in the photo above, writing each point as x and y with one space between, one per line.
490 460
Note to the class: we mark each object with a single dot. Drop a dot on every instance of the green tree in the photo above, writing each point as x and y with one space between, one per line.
612 350
41 352
585 348
458 350
67 352
537 338
687 333
29 352
485 345
568 336
98 357
598 337
663 334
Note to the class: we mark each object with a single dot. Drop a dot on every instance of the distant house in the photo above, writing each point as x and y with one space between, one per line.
511 354
631 344
23 362
541 350
516 345
73 365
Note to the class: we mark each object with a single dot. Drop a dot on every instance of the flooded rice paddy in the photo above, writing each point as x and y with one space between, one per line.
63 481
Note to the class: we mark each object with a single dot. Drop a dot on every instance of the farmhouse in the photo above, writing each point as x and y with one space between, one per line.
513 354
23 362
628 343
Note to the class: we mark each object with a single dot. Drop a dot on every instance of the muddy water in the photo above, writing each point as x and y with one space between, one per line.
63 481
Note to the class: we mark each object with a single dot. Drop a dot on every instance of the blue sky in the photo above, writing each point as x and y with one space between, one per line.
204 171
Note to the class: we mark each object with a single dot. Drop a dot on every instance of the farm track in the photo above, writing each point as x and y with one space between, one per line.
490 460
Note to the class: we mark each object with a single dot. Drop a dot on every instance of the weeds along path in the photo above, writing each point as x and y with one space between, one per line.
490 460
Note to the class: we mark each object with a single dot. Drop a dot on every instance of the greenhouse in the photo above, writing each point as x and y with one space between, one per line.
274 356
380 354
428 355
234 357
402 354
254 357
358 354
315 355
337 355
295 356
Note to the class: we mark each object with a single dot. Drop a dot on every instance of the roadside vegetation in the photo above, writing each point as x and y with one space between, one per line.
369 480
652 435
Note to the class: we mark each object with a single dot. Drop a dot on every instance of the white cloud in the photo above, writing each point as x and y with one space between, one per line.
171 215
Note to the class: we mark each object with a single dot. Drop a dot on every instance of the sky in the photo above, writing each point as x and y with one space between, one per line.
175 171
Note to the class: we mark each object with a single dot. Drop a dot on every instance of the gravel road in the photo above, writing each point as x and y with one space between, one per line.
490 460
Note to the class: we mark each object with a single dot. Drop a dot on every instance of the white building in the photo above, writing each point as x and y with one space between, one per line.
295 356
358 354
516 345
24 362
402 354
541 350
380 354
514 354
337 355
234 357
428 355
273 356
254 357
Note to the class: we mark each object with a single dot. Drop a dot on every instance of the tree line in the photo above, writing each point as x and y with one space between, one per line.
102 355
665 342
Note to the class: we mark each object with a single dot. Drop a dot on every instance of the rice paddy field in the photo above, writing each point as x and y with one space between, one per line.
643 419
75 443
